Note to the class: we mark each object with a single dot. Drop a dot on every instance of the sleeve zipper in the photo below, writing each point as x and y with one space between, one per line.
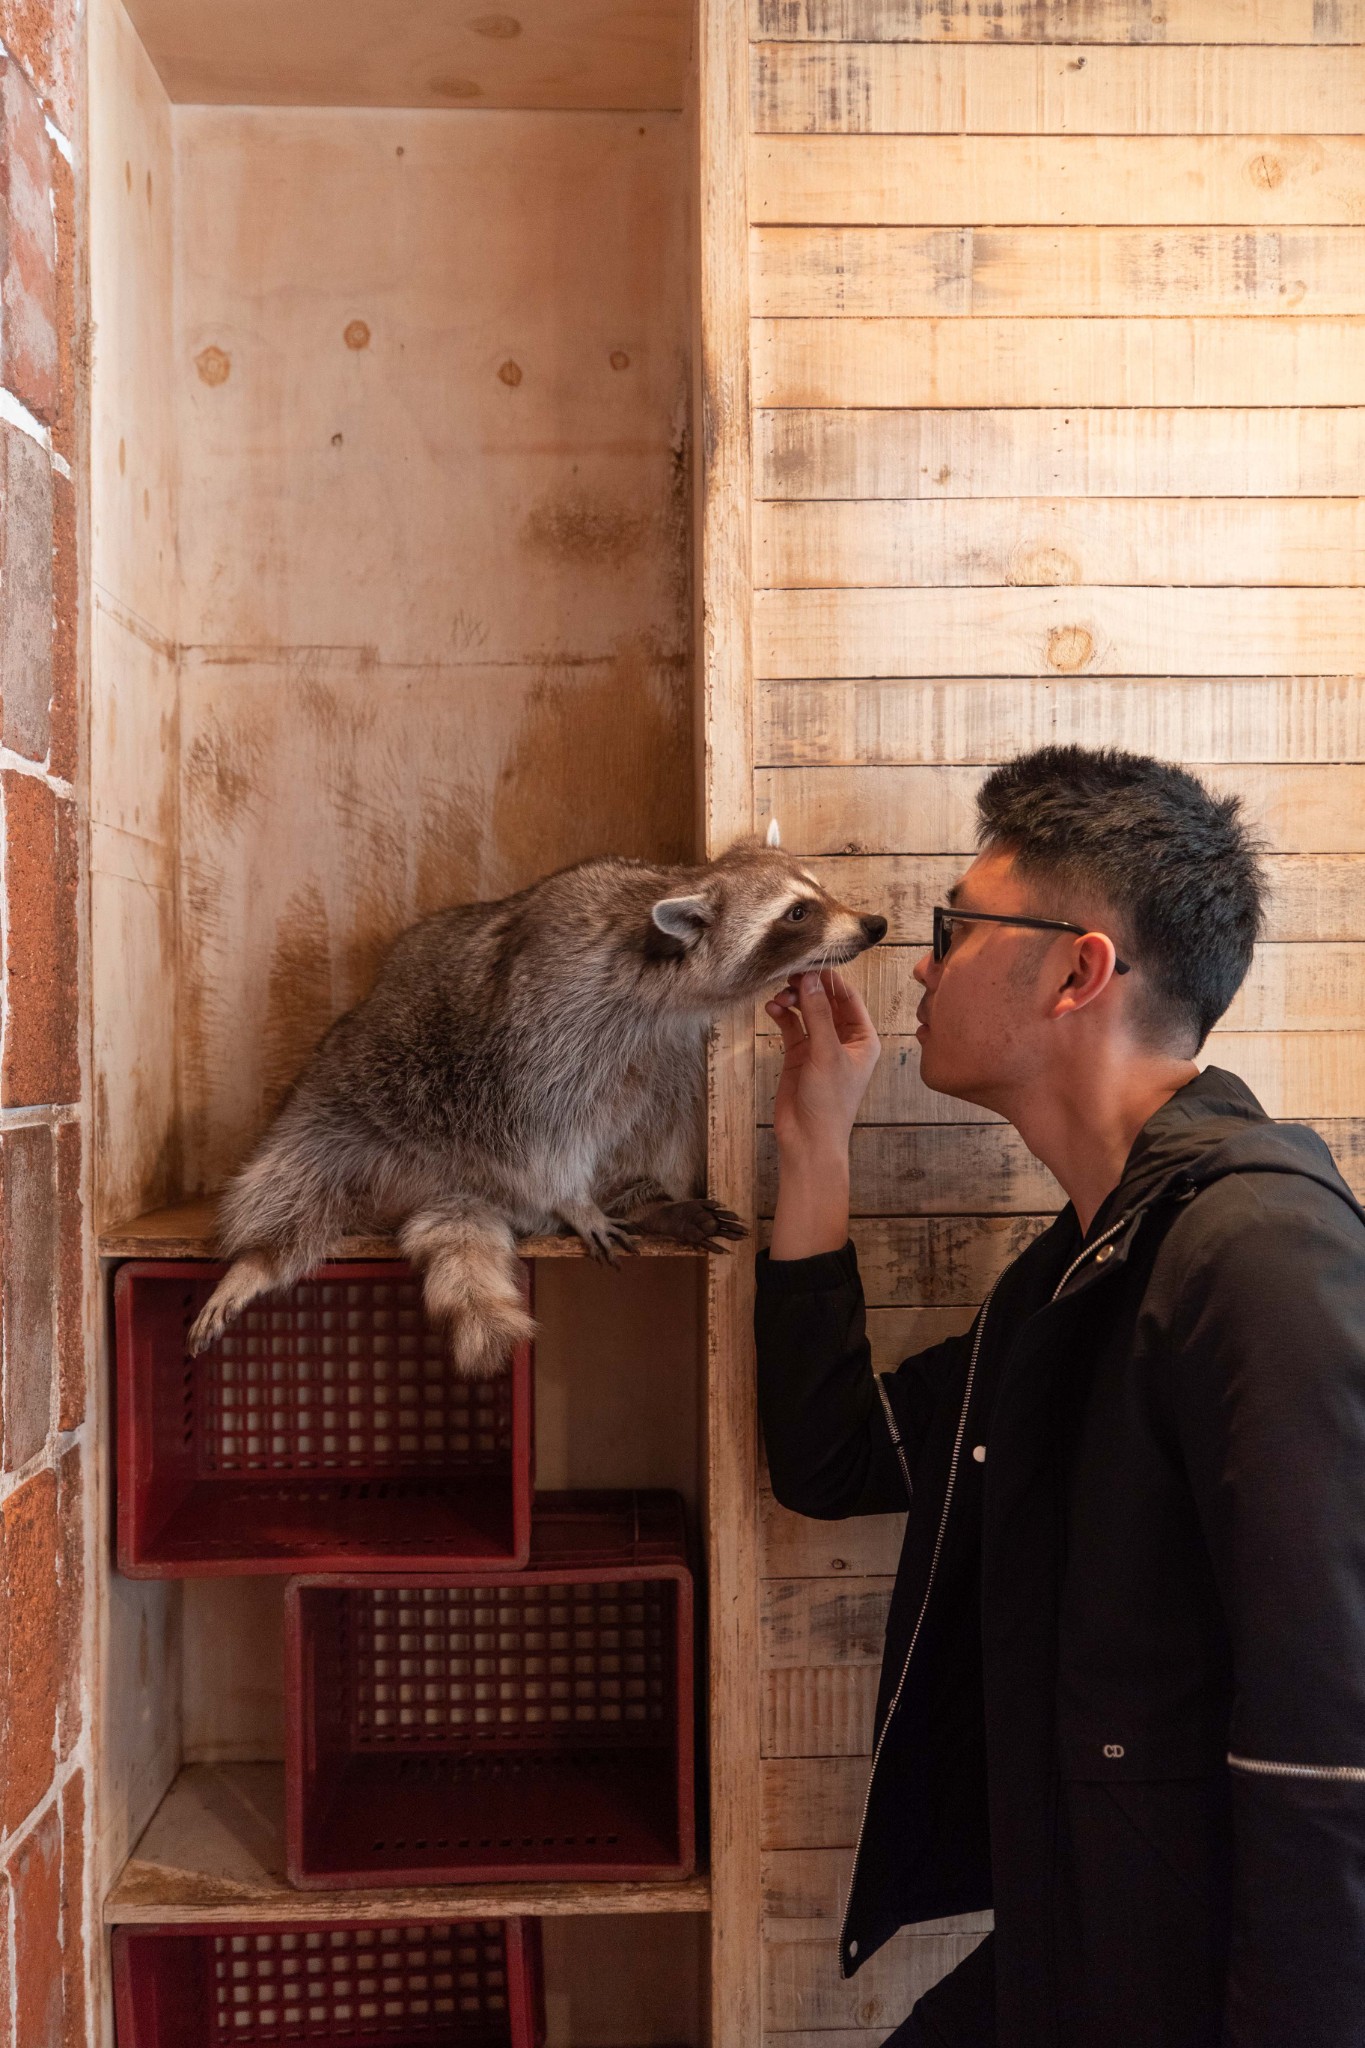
895 1435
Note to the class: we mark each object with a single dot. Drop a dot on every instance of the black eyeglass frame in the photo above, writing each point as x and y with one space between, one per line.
945 915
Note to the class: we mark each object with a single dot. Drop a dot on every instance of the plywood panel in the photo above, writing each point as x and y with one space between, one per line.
420 53
1063 452
952 179
448 407
1059 21
898 1333
1141 541
938 1261
1185 718
823 272
1312 898
868 89
1284 360
802 1986
1296 808
1033 630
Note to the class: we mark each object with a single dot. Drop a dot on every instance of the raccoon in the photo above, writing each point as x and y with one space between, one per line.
527 1066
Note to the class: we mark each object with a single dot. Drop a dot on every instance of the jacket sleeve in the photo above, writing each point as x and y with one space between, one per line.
1269 1365
830 1450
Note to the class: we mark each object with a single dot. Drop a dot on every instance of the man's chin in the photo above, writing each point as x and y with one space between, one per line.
937 1074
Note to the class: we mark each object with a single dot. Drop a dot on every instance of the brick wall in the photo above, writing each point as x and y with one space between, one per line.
44 1458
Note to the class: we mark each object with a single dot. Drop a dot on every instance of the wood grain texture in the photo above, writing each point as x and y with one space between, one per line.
898 543
905 89
938 1261
1070 452
802 1986
812 1802
1074 272
1311 898
796 1547
1297 991
804 1894
1033 630
1279 360
722 637
901 721
820 1623
548 54
1059 21
1295 807
1114 180
214 1853
819 1710
902 1169
187 1230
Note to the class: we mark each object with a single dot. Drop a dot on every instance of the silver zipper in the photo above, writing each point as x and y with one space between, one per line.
1089 1252
924 1604
895 1435
1347 1774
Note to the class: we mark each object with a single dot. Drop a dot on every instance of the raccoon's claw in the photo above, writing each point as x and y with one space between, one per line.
701 1222
607 1244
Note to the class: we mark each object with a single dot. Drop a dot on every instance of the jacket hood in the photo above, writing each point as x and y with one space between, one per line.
1211 1127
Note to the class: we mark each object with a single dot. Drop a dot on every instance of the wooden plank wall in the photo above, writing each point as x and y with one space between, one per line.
1058 396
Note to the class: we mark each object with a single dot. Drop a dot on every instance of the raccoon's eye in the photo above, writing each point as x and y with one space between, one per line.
797 912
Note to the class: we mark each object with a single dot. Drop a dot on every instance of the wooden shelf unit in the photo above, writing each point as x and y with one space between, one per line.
186 1231
214 1852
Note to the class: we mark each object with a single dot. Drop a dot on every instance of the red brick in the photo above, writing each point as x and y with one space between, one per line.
73 1914
26 517
28 1261
63 713
35 1873
42 35
69 255
70 1278
40 1063
28 291
71 1567
30 1608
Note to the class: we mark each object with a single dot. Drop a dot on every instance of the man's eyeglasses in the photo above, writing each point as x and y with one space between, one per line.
945 919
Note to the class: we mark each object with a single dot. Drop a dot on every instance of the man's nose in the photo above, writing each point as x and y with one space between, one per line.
874 928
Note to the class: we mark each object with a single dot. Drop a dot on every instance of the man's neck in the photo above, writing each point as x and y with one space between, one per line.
1082 1124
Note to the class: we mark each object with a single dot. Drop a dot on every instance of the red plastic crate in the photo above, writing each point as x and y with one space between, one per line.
327 1429
495 1726
469 1984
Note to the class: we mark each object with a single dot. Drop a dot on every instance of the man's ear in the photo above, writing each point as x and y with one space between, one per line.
774 837
684 918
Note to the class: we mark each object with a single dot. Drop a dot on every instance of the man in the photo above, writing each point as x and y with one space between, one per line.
1123 1693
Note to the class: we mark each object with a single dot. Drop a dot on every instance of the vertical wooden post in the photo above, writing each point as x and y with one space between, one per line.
724 703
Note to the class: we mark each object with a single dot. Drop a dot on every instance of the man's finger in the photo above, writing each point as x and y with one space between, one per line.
789 1024
817 1013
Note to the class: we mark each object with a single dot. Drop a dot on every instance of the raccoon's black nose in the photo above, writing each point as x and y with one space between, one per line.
875 928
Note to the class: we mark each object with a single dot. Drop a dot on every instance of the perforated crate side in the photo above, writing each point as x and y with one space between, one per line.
463 1984
325 1429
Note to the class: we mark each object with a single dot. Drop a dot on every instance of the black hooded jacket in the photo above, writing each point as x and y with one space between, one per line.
1123 1693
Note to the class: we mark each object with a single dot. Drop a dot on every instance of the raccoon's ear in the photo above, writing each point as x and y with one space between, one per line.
683 917
774 836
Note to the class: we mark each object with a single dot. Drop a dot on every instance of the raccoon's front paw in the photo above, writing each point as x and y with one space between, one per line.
701 1222
207 1327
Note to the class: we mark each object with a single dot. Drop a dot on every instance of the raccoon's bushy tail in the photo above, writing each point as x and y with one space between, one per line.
473 1282
277 1222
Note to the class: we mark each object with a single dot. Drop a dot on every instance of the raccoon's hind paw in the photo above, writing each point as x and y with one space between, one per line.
604 1238
246 1278
701 1222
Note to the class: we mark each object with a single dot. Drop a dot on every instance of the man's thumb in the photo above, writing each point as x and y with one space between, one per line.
816 1012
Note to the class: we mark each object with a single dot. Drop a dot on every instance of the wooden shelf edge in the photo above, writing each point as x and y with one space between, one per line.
213 1854
186 1231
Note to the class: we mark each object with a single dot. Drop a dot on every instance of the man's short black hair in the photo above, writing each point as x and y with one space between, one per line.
1177 865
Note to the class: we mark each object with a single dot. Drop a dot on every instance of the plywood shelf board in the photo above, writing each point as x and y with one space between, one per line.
214 1852
186 1231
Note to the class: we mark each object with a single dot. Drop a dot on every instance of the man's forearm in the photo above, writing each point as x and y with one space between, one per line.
812 1204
